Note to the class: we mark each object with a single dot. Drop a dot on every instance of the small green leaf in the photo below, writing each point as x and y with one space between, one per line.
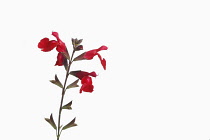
51 122
57 82
72 85
71 124
67 106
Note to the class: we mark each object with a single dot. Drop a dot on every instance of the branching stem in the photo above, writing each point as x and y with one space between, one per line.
58 132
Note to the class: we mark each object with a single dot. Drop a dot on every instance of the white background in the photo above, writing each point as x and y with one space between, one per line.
156 86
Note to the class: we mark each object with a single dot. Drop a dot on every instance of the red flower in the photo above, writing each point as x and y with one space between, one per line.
61 47
86 84
90 54
80 74
86 80
47 45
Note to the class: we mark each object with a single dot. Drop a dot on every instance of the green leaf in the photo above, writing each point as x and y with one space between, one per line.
72 85
51 122
67 106
71 124
57 82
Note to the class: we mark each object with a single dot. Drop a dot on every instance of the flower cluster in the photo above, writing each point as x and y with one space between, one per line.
63 56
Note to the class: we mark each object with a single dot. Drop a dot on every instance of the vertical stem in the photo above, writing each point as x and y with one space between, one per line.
62 97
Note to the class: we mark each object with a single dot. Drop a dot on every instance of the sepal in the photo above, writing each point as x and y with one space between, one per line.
66 55
80 57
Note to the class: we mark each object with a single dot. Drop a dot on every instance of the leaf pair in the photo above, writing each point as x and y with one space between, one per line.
52 123
58 83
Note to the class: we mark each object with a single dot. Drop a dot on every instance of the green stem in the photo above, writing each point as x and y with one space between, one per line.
62 97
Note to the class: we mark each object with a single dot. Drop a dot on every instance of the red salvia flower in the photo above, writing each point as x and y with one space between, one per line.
90 54
61 48
86 84
80 74
47 45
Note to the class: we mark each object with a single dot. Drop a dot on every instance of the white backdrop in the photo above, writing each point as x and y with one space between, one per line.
156 86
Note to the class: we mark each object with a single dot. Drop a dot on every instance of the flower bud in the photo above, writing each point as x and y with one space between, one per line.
78 48
76 43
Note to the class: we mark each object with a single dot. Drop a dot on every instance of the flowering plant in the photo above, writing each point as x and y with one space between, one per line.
66 60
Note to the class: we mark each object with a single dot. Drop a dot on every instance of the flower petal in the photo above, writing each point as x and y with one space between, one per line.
86 80
60 60
90 54
46 45
56 35
93 74
86 88
103 61
86 84
61 47
102 48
